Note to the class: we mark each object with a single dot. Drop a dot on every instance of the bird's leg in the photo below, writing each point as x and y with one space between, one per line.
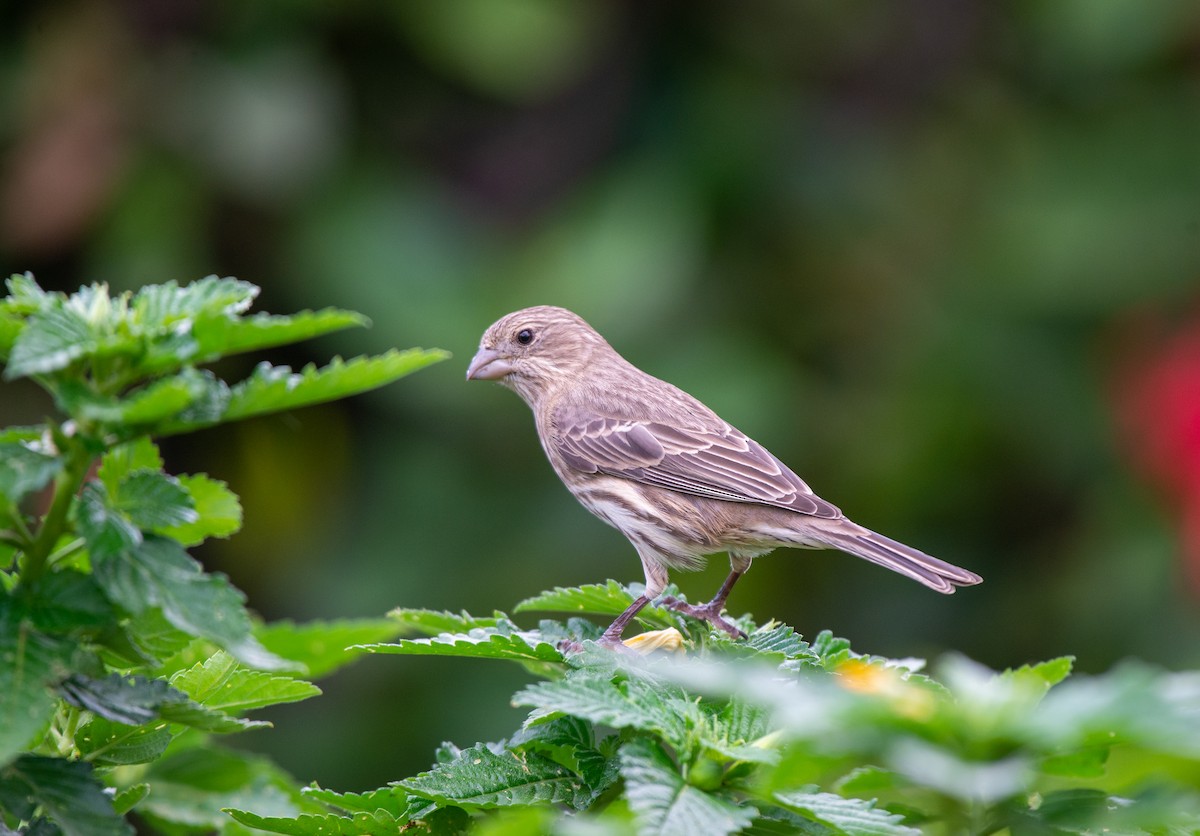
711 612
612 636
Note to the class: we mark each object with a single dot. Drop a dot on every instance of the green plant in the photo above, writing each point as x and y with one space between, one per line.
778 735
121 659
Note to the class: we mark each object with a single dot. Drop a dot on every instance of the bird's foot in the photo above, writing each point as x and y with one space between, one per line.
570 646
710 612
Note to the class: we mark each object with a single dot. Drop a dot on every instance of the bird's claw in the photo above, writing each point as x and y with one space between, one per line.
710 612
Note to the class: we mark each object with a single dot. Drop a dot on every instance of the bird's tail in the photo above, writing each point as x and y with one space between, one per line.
913 563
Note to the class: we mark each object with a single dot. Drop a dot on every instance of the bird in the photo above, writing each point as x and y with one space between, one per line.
677 480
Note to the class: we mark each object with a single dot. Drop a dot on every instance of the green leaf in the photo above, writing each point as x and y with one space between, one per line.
150 404
155 500
162 306
480 778
132 701
11 326
106 743
68 599
635 703
220 682
480 643
218 511
24 470
435 622
1044 674
152 638
24 294
666 805
392 799
379 823
128 798
222 336
159 573
190 787
324 646
602 599
570 742
779 640
66 792
52 339
851 816
1088 762
137 701
274 388
138 454
30 663
106 531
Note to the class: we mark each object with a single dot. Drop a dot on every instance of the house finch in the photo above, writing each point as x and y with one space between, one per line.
665 470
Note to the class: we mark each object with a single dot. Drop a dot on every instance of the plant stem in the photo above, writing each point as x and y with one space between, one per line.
65 487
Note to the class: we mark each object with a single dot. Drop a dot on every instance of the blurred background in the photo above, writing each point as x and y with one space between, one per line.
942 257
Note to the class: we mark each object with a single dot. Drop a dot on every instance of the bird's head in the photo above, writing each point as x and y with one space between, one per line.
535 350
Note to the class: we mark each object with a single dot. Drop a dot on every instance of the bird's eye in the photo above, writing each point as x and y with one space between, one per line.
525 336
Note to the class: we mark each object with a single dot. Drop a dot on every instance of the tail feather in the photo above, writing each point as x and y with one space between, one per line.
913 563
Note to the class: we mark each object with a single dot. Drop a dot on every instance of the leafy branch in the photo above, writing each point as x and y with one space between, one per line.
691 732
121 658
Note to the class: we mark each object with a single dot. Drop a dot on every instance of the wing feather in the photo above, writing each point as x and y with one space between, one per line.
716 463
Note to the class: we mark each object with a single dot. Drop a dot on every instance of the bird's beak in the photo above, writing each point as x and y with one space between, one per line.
487 364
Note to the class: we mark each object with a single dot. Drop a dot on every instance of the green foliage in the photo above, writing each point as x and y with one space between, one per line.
776 735
121 658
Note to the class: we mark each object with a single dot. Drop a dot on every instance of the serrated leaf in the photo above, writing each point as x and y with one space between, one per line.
128 798
52 339
664 804
132 701
137 701
30 663
159 573
123 459
68 599
191 787
634 703
435 622
570 742
324 646
106 743
779 639
154 500
25 295
218 511
222 336
1045 674
23 471
152 638
220 682
67 794
274 388
380 823
150 404
392 799
480 643
106 531
851 816
602 599
482 779
161 306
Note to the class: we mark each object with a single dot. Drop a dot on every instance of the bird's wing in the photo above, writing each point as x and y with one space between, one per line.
716 463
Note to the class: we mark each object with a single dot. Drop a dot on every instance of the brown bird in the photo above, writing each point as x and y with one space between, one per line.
665 470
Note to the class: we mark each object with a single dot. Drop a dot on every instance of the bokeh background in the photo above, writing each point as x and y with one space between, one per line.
943 257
